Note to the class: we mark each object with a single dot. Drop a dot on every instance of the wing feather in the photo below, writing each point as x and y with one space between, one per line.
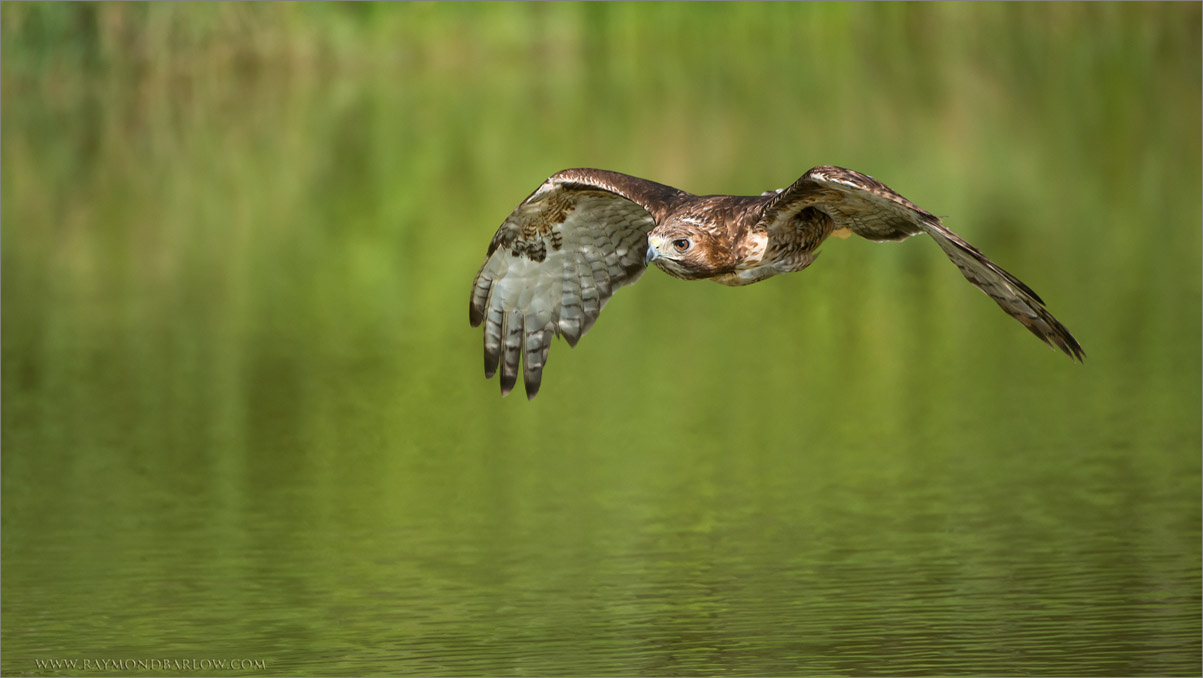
1009 292
555 262
511 351
572 304
853 200
494 329
873 210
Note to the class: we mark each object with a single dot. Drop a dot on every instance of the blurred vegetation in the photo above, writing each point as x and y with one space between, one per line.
995 100
237 245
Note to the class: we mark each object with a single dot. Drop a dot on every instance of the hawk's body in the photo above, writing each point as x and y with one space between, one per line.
584 233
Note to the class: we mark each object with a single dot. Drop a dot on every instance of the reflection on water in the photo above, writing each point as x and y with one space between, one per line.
245 417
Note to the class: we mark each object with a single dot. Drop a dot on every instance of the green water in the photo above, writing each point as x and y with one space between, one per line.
244 417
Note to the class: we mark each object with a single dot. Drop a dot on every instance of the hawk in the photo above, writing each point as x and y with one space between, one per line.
584 233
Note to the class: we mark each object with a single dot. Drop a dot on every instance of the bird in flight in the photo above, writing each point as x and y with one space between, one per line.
584 233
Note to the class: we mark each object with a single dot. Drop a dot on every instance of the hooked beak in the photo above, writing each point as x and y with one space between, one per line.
653 250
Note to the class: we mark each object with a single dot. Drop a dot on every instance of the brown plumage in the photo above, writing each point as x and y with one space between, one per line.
562 253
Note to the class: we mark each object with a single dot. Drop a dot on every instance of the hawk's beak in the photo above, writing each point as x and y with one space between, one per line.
653 250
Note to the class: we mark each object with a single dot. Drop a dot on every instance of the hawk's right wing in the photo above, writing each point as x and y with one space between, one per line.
555 262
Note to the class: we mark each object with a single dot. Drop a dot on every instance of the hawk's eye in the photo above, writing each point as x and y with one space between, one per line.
680 244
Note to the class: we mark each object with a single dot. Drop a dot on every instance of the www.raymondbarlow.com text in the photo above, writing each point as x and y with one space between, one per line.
152 664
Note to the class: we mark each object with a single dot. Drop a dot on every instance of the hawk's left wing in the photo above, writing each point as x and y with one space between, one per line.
873 210
555 262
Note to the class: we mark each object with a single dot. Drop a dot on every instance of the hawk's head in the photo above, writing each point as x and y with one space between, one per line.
689 251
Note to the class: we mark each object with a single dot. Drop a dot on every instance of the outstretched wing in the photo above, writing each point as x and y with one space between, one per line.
555 262
872 210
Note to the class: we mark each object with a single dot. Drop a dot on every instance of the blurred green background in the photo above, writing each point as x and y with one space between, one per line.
244 415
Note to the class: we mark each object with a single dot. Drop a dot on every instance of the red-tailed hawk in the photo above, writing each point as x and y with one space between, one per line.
584 233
